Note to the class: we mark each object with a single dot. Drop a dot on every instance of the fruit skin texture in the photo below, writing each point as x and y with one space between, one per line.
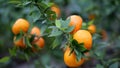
70 60
19 43
56 9
20 24
35 30
75 21
40 42
83 36
92 28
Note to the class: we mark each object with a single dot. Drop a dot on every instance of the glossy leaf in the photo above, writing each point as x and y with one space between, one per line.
91 22
15 2
19 36
58 24
80 47
55 32
27 3
27 41
56 42
71 51
99 66
13 51
78 55
27 57
69 29
5 59
65 24
114 65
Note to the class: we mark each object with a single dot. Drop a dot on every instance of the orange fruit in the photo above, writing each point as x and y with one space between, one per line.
19 43
83 36
70 59
104 34
75 21
56 9
36 31
91 16
20 24
92 28
40 42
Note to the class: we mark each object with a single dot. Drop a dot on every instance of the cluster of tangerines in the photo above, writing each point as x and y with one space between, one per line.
81 36
23 25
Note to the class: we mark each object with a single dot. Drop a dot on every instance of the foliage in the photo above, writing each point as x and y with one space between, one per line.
56 31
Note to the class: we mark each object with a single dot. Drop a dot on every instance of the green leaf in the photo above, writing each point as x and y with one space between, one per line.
36 17
43 6
78 55
1 42
19 36
82 48
79 49
27 3
45 60
74 42
55 32
32 38
71 50
15 2
79 46
58 24
65 24
98 53
43 29
99 66
114 65
26 57
52 27
50 4
13 51
68 30
84 26
91 22
96 36
51 15
19 5
4 59
56 42
27 41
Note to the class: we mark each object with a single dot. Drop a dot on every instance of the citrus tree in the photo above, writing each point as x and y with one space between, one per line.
43 33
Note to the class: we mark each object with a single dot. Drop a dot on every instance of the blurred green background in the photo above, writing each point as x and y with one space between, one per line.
106 15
